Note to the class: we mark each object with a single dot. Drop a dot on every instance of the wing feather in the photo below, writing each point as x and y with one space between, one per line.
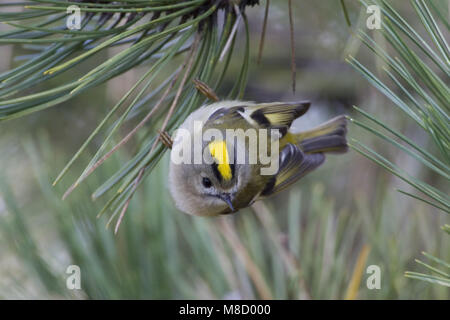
268 115
276 115
294 164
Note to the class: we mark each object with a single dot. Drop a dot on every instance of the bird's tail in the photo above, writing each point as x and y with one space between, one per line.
327 137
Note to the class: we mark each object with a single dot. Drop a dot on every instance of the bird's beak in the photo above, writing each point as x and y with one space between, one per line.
227 198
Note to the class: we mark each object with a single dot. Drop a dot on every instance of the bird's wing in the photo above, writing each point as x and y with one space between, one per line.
226 114
294 164
276 115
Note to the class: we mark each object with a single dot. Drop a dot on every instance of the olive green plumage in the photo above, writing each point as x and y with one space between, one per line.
222 183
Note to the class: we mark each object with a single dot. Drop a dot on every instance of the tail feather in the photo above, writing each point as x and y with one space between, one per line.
328 137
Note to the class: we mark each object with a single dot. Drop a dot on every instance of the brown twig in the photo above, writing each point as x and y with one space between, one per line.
233 32
289 260
291 27
224 261
252 269
353 287
127 137
263 32
181 87
206 90
188 65
165 138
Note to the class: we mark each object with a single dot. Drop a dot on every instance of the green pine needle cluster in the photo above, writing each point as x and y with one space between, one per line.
151 34
417 64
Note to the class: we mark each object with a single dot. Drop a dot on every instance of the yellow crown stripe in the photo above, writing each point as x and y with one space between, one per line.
218 150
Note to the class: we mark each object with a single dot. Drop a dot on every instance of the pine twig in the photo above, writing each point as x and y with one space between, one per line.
206 90
263 32
291 29
188 64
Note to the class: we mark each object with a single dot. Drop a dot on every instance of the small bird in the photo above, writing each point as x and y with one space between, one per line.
219 183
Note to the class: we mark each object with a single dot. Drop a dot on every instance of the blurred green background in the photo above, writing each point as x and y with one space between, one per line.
303 243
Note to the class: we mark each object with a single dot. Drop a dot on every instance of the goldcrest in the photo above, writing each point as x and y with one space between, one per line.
229 154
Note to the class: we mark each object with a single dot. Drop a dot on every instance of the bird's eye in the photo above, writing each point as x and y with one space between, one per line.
206 182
